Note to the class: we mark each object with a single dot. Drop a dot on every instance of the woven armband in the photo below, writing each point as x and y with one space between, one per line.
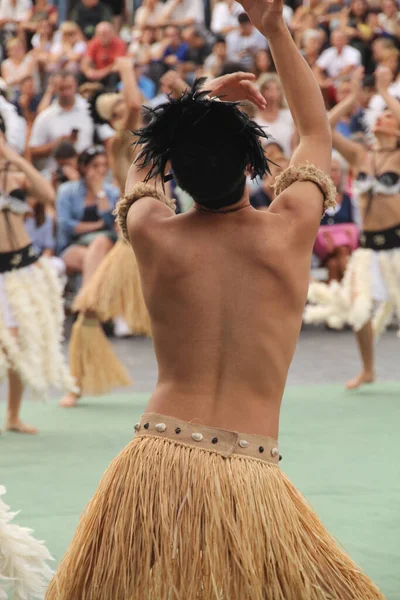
139 191
308 172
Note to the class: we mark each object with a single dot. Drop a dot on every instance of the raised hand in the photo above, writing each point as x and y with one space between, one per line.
236 87
266 15
383 78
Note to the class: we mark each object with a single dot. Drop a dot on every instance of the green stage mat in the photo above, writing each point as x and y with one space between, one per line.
341 449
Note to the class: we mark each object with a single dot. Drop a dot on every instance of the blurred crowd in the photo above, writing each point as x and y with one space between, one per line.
55 57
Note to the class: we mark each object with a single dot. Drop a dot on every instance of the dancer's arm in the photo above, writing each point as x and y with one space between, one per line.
36 185
131 93
351 151
302 201
349 103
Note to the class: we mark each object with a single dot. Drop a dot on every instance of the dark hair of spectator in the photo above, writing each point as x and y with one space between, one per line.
368 81
64 150
353 18
243 18
210 145
86 157
232 67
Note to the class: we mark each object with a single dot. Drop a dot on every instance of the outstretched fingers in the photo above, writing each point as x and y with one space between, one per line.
253 94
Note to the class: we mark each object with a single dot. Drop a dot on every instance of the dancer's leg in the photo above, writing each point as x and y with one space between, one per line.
15 391
94 255
365 341
332 265
73 259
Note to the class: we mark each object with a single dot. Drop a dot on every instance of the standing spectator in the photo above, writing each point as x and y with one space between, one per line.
225 17
337 61
183 12
101 52
12 14
389 18
276 117
67 52
67 119
149 14
243 44
17 66
88 14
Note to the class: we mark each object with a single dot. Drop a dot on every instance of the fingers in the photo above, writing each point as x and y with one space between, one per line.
252 93
242 76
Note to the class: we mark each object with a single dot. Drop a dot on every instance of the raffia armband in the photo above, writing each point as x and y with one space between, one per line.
139 191
308 172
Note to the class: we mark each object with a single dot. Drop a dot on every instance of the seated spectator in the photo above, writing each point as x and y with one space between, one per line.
140 48
276 117
389 18
12 15
40 228
198 48
26 100
343 89
119 12
225 17
338 235
145 84
262 197
214 63
307 16
149 14
262 64
312 41
85 223
42 10
176 50
67 119
42 42
181 13
354 23
337 61
101 52
17 66
87 14
243 44
66 164
67 52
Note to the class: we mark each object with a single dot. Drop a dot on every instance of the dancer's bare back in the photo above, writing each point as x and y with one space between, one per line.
226 293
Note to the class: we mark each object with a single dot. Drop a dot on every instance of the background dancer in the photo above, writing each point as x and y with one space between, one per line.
190 510
373 273
31 311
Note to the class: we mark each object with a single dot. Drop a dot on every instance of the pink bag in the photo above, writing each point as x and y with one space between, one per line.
330 237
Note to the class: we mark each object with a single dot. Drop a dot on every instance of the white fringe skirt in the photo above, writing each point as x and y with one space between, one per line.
372 280
24 572
31 303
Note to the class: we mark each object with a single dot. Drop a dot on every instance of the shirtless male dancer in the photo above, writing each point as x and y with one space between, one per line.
191 509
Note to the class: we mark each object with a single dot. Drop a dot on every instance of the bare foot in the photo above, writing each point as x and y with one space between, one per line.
18 426
360 380
69 401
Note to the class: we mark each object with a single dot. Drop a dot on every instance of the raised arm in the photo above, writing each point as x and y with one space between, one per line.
36 185
383 78
302 201
132 96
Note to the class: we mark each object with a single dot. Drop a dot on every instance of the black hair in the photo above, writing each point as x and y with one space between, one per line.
86 157
233 67
2 125
243 18
64 150
209 143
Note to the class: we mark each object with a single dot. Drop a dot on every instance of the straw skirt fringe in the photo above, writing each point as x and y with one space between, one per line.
172 522
115 291
31 302
371 278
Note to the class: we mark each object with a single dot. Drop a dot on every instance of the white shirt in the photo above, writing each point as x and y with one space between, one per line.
236 44
187 9
224 17
19 12
281 130
15 126
333 63
55 122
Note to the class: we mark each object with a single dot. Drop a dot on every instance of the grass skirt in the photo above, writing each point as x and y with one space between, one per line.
174 519
372 279
115 291
31 302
